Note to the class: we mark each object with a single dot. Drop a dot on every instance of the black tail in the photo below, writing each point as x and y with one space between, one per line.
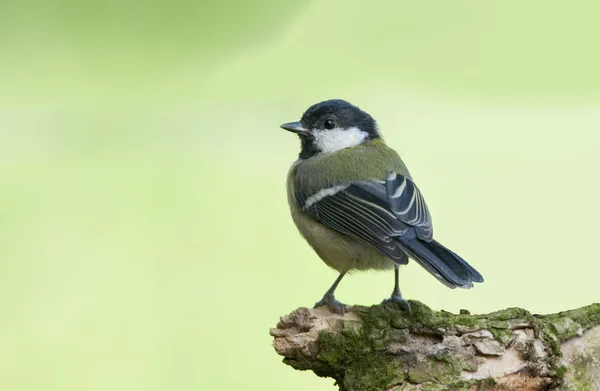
446 266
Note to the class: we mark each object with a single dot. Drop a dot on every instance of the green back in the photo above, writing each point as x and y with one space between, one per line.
372 160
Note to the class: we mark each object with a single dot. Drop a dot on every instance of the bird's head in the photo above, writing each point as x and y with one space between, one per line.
332 125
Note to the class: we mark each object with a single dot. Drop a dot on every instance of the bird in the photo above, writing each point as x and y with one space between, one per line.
354 201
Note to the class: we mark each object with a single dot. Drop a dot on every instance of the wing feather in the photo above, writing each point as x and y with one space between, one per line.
372 211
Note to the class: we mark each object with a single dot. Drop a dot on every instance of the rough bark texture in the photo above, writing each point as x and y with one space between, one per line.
381 348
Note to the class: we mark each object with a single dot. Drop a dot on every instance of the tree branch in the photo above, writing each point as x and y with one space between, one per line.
381 348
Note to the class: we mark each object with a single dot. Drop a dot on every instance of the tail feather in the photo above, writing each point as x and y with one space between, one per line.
445 265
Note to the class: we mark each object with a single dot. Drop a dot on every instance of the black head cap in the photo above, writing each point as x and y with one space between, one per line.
343 114
332 125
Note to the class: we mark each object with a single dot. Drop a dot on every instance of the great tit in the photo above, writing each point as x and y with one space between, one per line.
356 204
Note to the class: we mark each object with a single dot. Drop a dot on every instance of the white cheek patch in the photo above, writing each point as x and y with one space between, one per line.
336 139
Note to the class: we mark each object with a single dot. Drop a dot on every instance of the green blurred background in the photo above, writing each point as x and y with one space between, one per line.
145 242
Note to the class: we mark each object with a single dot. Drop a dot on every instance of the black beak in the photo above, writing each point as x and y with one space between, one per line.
295 127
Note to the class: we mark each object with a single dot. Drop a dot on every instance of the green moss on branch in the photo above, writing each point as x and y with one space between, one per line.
382 348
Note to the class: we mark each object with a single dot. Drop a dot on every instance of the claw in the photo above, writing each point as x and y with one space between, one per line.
405 305
332 304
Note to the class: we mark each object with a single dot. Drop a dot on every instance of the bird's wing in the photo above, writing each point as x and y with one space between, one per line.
374 212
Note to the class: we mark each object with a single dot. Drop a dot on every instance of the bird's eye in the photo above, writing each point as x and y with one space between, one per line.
329 124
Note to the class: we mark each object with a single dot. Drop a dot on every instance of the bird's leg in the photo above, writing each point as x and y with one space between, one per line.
396 295
329 298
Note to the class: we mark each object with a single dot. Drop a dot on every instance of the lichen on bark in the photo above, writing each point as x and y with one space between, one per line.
382 348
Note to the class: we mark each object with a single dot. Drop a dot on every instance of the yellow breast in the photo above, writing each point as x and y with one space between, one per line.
341 252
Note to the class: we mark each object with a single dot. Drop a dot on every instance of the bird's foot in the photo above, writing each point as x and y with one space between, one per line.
398 299
332 304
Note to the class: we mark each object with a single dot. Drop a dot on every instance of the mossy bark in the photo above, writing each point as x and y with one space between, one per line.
381 348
